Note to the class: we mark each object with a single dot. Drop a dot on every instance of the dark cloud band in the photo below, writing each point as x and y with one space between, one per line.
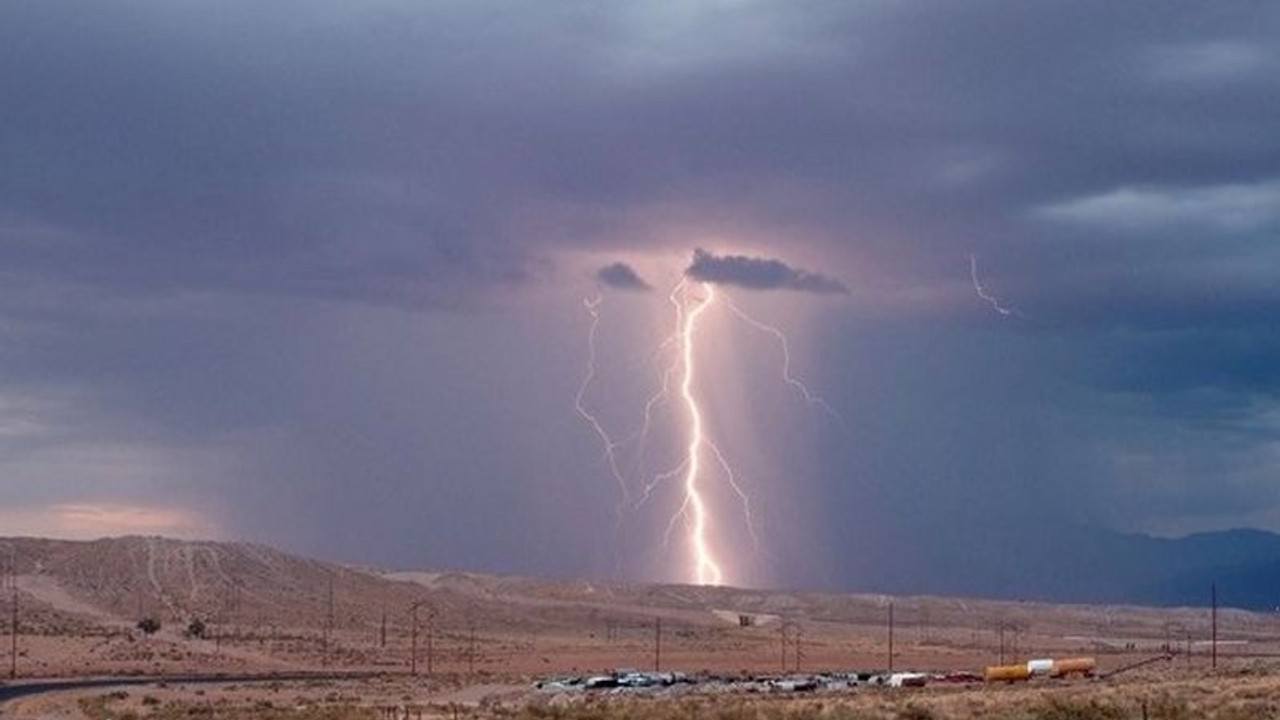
760 274
621 276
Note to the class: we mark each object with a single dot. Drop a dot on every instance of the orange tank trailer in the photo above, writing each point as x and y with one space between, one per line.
1074 666
1008 673
1053 668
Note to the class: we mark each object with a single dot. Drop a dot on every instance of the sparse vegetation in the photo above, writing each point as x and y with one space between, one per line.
531 630
916 712
1081 703
1055 708
110 707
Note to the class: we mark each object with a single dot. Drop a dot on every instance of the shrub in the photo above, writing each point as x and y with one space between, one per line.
916 712
1069 709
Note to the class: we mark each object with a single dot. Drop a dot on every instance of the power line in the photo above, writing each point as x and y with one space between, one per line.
790 635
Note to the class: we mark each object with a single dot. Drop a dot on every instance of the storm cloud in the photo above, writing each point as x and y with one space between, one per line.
331 257
755 273
621 276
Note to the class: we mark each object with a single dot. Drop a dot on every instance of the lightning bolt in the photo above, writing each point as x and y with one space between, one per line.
787 377
606 440
658 398
693 509
658 480
706 570
982 291
664 392
743 497
702 458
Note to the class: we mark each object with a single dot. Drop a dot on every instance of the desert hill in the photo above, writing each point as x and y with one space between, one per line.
478 635
115 582
81 601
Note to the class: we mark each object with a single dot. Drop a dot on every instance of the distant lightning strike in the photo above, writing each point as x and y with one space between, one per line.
693 508
679 376
981 291
610 447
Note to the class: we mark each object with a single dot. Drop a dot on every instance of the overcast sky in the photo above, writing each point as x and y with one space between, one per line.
312 273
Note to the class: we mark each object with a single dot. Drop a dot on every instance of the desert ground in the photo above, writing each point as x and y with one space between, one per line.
482 642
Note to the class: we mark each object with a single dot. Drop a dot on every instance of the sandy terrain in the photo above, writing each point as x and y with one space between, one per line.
482 637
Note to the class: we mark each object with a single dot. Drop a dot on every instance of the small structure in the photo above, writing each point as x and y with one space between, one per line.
908 679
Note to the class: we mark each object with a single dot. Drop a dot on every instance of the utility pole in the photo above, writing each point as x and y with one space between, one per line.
382 631
890 637
471 648
657 644
1213 641
782 632
217 619
1001 643
13 625
799 653
328 624
413 634
234 611
431 640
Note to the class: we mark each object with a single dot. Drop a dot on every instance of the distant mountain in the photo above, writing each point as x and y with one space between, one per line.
1077 564
1244 564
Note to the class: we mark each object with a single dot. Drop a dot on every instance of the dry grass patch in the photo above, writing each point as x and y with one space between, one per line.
1091 703
119 706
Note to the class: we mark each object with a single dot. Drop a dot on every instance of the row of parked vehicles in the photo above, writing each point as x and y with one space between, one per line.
627 680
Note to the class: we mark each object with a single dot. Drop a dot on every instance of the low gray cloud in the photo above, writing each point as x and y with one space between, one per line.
760 274
621 276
